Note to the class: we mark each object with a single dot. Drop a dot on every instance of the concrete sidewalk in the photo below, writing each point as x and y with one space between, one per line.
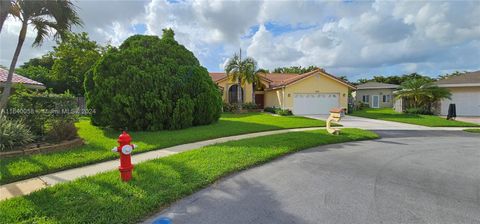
374 124
25 187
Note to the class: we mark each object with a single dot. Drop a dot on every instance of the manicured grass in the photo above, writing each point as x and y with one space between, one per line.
389 114
105 199
99 142
473 130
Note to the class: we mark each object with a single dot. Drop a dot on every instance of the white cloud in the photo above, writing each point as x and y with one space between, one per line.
349 37
263 45
399 35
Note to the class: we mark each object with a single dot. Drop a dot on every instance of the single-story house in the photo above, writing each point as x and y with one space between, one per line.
465 91
314 92
376 94
18 79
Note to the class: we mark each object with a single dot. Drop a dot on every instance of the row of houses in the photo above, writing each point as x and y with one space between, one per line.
465 90
316 92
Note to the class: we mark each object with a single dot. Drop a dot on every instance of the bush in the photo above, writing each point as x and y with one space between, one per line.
285 112
228 107
147 82
182 114
39 110
62 130
269 109
249 106
278 111
13 133
418 110
359 105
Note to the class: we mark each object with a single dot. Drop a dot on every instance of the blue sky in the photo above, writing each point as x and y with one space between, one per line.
358 39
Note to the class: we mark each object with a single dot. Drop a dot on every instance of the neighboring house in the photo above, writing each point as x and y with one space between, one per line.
18 79
314 92
465 91
376 94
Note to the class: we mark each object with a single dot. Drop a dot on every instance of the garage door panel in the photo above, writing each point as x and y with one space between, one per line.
314 103
466 103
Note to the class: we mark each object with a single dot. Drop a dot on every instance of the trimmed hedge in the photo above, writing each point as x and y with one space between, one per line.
151 83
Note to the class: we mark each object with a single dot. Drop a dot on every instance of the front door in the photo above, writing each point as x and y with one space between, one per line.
376 101
259 100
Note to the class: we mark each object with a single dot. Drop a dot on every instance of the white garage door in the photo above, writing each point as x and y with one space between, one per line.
466 103
314 103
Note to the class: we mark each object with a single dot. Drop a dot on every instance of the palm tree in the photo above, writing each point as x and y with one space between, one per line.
5 6
46 16
243 71
422 92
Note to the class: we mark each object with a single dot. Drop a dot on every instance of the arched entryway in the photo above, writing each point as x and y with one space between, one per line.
232 94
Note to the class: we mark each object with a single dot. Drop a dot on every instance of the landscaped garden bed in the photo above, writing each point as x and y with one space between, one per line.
99 141
104 198
389 114
44 147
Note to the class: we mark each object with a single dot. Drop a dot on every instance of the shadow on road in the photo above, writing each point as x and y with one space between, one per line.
421 133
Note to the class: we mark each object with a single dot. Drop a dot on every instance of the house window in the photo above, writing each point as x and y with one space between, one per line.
386 98
366 98
232 94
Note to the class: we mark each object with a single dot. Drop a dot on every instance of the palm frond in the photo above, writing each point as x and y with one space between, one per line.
42 27
49 16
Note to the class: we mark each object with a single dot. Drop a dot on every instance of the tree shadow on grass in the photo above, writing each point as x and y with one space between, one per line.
105 198
167 138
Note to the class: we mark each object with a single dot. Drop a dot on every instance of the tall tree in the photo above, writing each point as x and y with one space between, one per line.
295 69
74 56
395 79
456 73
243 71
45 61
45 15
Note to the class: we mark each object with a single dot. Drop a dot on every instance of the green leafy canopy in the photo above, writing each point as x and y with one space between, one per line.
150 83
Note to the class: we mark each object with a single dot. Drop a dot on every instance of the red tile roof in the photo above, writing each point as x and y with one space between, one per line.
17 78
282 79
217 75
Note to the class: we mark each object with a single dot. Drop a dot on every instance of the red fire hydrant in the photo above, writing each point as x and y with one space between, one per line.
125 149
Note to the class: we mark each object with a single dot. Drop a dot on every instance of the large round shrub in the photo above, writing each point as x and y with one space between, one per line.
151 83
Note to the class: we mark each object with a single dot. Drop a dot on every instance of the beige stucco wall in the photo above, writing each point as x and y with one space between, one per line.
247 90
313 84
273 98
380 92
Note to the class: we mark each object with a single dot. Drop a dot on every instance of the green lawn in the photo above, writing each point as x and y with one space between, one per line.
473 130
389 114
101 141
156 184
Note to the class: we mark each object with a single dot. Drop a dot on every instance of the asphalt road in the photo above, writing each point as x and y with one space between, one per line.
405 177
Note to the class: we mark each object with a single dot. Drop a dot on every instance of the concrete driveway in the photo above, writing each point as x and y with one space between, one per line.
405 177
469 119
373 124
